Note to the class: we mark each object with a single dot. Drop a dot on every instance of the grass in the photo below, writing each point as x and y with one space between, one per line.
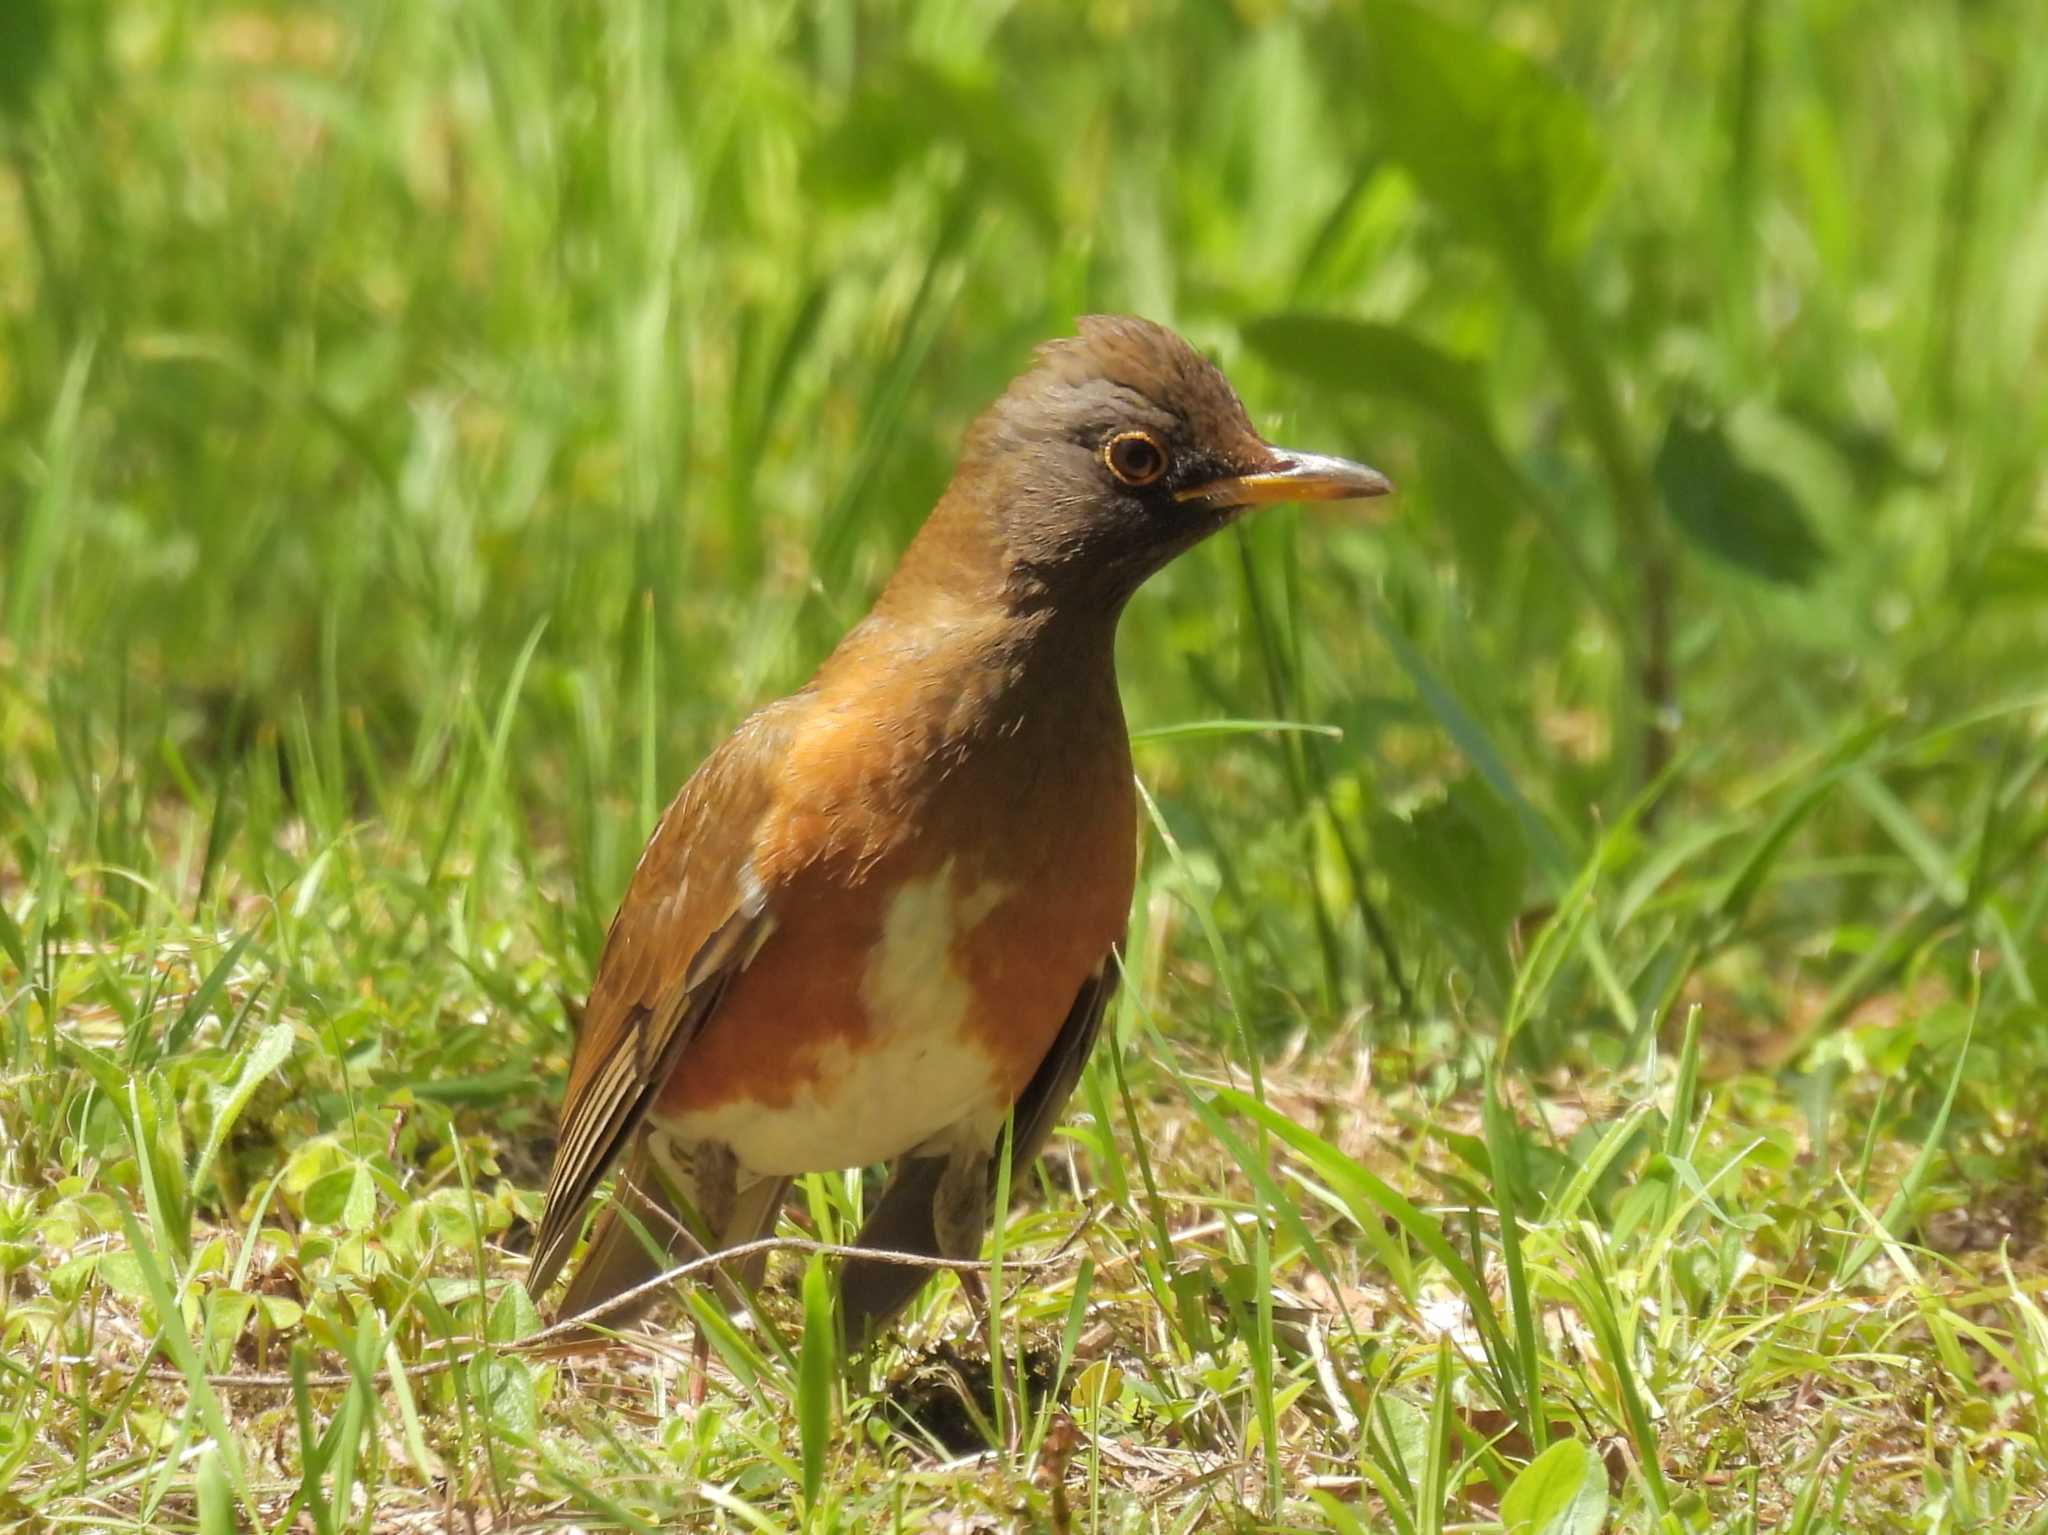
1583 1056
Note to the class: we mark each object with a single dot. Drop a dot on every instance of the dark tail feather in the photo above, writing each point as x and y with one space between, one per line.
871 1290
617 1258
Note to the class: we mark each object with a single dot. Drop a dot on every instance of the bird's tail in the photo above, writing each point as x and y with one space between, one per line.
620 1258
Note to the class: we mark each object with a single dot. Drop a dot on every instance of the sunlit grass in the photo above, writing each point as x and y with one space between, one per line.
1582 1053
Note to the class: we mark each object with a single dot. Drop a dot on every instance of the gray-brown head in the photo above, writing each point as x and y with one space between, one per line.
1119 449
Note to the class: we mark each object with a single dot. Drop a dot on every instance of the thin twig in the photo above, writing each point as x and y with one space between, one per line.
622 1301
626 1298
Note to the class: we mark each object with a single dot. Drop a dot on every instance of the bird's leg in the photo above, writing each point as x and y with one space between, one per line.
978 1306
975 1291
710 1170
700 1367
960 1222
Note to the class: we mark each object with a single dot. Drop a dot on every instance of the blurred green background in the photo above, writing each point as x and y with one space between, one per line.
451 418
426 427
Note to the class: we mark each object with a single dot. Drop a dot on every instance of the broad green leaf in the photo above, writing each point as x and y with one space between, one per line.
226 1313
330 1198
1563 1491
359 1211
1736 513
1100 1385
503 1387
118 1271
1463 858
270 1050
1488 135
1476 500
1471 738
512 1316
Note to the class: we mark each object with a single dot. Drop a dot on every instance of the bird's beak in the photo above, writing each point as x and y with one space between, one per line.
1291 477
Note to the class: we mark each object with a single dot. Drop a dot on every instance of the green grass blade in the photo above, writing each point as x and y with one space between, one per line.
817 1369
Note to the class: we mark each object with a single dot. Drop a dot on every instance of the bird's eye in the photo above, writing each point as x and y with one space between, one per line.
1134 457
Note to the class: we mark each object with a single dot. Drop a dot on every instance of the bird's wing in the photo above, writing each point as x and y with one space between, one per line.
692 917
1038 1109
871 1290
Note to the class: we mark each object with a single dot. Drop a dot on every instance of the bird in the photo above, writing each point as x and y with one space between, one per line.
881 922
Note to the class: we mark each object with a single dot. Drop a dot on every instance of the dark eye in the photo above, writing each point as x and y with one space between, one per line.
1134 457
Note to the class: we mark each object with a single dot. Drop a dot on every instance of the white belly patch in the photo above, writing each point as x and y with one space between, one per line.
921 1070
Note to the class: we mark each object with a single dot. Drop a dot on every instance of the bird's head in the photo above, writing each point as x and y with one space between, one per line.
1122 447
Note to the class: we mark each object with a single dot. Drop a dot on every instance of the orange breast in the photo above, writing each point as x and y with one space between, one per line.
949 944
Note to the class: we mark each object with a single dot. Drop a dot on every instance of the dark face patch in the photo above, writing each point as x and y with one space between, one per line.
1082 458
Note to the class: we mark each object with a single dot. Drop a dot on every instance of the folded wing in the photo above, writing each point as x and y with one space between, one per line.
691 918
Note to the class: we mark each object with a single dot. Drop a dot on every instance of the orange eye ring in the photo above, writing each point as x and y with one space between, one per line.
1136 458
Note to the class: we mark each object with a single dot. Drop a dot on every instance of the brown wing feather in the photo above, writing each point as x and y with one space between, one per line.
690 919
1045 1096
